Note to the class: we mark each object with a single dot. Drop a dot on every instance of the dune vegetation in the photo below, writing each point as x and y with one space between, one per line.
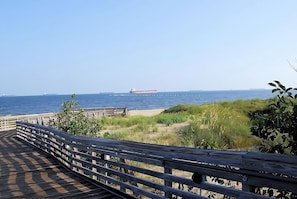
221 125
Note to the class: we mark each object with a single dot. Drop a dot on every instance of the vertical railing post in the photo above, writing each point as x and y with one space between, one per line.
94 162
123 170
5 123
63 152
31 132
53 145
67 155
45 139
74 163
78 163
106 157
167 183
245 186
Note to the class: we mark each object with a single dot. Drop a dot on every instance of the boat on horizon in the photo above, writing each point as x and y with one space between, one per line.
134 91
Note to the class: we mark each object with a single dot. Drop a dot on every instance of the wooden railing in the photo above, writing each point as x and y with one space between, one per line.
156 171
9 122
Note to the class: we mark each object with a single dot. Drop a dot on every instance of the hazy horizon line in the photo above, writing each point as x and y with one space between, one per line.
115 92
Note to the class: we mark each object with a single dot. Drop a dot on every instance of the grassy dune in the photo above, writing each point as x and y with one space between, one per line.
222 125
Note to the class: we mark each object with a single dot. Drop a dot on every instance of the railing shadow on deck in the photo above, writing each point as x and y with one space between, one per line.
156 171
26 172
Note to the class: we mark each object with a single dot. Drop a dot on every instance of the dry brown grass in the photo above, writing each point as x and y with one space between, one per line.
155 134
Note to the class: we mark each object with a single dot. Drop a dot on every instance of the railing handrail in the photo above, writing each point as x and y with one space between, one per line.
88 157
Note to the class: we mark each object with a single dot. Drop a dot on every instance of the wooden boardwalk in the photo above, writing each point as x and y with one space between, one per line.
26 172
138 169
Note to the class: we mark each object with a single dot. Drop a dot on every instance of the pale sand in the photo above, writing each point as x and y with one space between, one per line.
151 112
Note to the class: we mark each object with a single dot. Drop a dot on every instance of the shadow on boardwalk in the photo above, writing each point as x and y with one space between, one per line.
26 172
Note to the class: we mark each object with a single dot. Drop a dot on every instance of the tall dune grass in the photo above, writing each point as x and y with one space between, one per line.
217 127
221 125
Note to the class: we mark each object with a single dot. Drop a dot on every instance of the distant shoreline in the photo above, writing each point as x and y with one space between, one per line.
150 112
144 112
111 93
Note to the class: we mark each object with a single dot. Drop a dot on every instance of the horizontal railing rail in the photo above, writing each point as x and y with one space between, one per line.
156 171
9 122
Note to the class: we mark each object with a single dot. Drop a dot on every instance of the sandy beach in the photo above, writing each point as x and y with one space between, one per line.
150 112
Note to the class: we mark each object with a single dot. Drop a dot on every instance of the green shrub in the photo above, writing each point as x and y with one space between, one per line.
276 124
185 108
72 119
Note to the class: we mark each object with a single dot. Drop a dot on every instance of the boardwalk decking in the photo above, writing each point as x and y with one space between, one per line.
26 172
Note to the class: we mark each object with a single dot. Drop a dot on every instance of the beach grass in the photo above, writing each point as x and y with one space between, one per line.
221 125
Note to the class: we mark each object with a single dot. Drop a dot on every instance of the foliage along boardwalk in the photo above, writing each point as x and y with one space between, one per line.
26 172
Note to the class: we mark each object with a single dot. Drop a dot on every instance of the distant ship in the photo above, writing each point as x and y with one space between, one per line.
134 91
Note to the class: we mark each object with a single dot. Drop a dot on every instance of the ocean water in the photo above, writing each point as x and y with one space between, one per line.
15 105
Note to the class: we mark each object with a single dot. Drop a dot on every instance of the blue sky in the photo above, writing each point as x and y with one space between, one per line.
93 46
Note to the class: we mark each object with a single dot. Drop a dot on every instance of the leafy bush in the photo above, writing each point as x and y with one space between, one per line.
72 119
185 108
276 124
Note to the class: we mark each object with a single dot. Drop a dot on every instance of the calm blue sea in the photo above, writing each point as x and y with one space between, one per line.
15 105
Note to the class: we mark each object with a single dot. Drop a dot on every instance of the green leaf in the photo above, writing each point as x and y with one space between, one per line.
272 84
278 83
275 90
288 89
